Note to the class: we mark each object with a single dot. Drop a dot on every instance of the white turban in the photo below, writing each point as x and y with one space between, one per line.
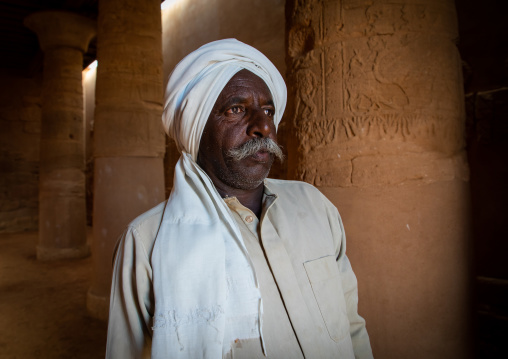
197 81
199 248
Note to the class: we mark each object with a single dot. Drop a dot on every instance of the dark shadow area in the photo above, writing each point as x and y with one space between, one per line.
483 45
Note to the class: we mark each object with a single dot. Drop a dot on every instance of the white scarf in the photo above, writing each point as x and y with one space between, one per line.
205 287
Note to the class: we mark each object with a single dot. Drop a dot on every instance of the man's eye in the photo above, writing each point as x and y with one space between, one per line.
269 112
235 110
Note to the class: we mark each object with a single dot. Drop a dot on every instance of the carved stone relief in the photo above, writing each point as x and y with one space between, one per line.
371 78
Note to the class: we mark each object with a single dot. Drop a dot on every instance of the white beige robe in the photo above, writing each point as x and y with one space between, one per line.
303 238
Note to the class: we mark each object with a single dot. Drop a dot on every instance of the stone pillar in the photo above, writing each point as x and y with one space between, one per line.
63 37
129 139
377 118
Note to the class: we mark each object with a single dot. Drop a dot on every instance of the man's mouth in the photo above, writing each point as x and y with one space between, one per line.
261 156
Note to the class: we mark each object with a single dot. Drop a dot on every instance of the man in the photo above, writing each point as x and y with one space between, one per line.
233 265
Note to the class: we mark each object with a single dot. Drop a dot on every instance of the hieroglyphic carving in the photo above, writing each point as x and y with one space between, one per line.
305 102
302 32
367 88
301 41
301 47
303 11
436 129
306 74
313 134
379 83
432 129
384 127
385 19
388 18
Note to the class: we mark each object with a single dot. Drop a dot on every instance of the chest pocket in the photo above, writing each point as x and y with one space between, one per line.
326 285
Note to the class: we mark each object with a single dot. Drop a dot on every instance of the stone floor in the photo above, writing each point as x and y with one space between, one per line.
43 304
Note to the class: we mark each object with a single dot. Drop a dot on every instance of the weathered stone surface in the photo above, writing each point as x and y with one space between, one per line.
128 135
62 209
138 130
124 188
260 24
59 29
368 82
376 111
20 116
129 85
411 260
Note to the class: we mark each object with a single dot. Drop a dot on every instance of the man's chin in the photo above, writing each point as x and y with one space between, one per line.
249 179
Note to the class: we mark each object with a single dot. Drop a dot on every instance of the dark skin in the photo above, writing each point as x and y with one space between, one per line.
243 110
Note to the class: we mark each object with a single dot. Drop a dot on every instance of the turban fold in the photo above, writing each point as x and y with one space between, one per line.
197 81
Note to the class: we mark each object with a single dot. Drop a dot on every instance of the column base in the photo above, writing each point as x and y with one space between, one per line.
49 254
97 306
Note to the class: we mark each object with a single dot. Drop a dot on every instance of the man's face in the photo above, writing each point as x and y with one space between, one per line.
243 111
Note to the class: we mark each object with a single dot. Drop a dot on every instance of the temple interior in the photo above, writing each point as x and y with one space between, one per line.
397 111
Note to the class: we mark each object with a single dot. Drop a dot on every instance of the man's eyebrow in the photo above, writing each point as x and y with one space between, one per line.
240 100
233 100
270 102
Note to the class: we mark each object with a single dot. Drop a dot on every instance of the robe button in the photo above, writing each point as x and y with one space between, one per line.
249 219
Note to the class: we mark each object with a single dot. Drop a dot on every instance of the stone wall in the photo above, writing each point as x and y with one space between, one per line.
188 24
20 119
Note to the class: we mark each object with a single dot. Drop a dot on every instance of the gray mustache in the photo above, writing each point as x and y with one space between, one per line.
256 144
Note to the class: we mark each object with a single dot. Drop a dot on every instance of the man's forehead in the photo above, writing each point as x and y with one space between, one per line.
245 81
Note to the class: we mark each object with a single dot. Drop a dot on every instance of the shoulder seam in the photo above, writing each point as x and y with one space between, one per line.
138 221
137 234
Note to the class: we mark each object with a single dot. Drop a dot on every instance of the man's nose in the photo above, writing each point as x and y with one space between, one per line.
260 124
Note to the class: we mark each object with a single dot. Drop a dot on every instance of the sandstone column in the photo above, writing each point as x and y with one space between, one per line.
128 135
377 124
63 37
